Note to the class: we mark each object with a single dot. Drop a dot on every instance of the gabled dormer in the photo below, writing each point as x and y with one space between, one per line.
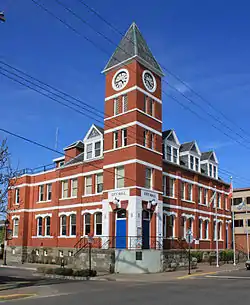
209 164
190 156
93 143
171 146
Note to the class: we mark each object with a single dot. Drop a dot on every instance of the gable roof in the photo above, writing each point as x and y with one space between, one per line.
209 155
78 144
133 45
186 146
95 128
170 135
190 146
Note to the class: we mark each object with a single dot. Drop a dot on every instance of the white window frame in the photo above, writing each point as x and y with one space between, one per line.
70 224
74 188
91 151
197 164
201 228
84 223
164 184
173 155
118 176
61 225
205 191
200 195
115 139
191 164
169 156
46 226
184 190
85 191
96 183
145 138
37 224
150 179
15 224
206 237
95 156
17 196
65 182
172 180
41 187
124 138
152 137
95 223
190 186
49 186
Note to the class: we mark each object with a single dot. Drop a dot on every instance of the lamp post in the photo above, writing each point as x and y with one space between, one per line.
6 224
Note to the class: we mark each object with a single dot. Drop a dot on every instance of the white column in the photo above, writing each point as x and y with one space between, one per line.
134 222
105 224
159 225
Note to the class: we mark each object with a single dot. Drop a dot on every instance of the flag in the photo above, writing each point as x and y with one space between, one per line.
2 18
241 205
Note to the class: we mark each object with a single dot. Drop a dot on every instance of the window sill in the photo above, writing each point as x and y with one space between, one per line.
40 237
44 201
169 197
67 236
95 194
205 239
189 201
203 204
14 236
218 240
67 198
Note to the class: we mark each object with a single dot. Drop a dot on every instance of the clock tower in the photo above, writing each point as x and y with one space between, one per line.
132 202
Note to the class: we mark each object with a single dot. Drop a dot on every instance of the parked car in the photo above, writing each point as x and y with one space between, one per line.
248 264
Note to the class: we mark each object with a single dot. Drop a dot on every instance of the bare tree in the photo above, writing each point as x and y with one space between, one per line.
7 176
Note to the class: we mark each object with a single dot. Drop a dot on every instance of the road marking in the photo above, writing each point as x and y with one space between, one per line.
229 277
16 296
195 274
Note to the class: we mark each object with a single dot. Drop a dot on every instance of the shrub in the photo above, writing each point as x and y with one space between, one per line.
198 255
85 273
226 255
63 271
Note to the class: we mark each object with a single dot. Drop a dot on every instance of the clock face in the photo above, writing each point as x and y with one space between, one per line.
149 81
120 79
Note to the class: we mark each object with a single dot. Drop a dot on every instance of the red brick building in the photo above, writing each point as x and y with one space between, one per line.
130 185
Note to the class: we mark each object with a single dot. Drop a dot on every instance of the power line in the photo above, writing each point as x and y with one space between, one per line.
91 9
55 150
219 121
58 96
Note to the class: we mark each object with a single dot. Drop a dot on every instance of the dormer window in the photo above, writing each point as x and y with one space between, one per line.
97 149
191 162
209 164
93 143
172 154
197 164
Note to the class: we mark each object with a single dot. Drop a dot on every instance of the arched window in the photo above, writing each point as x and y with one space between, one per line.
206 229
87 224
47 226
183 226
73 225
39 226
201 228
15 227
98 224
63 225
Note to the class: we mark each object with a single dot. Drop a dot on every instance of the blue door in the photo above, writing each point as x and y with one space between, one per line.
121 228
145 229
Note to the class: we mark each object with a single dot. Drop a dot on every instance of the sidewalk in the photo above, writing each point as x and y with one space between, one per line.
203 269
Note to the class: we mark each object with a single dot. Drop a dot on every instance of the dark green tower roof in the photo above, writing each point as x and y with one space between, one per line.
133 45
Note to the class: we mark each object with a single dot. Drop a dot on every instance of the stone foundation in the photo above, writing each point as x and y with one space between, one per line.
101 260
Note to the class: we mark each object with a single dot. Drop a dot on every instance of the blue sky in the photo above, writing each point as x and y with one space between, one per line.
206 44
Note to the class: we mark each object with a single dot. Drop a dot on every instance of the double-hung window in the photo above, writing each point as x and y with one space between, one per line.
119 173
88 185
148 178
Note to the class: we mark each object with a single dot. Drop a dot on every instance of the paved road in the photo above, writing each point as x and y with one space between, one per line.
194 291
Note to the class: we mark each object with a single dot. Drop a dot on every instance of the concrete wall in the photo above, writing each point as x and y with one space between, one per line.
127 262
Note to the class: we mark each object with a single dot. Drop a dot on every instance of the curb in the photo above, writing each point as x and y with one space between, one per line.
77 278
18 267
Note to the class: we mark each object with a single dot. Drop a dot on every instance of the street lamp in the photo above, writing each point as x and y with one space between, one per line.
6 224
